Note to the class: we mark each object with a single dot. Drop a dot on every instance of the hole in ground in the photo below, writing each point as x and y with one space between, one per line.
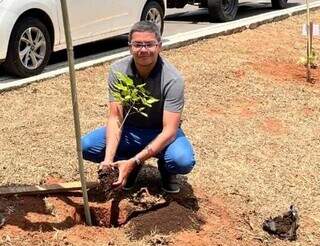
144 213
104 215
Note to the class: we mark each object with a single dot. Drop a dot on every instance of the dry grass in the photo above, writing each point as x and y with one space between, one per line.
256 135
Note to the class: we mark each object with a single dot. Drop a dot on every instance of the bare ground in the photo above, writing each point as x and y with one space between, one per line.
254 123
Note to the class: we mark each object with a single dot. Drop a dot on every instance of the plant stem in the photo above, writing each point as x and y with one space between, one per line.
126 116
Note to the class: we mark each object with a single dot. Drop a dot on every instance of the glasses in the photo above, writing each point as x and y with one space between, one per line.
148 45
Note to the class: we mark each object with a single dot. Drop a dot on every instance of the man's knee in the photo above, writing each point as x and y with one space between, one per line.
88 147
183 164
85 146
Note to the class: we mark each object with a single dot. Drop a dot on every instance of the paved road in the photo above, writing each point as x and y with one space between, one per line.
177 21
191 17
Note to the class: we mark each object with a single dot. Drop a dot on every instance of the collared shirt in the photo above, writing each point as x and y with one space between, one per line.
164 83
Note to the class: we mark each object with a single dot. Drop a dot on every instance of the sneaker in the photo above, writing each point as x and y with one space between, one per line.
169 182
132 179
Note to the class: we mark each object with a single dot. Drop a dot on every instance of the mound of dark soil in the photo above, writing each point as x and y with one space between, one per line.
168 219
107 178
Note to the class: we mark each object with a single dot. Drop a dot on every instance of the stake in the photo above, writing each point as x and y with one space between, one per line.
311 37
73 86
308 42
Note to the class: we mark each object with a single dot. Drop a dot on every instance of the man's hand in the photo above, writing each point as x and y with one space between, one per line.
105 165
125 168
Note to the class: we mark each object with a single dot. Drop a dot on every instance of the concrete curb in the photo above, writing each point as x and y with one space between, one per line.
173 41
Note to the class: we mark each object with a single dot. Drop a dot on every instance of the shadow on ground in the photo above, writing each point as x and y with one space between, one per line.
141 212
177 213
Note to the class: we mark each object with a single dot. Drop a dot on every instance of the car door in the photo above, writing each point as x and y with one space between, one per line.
115 16
125 13
96 19
85 20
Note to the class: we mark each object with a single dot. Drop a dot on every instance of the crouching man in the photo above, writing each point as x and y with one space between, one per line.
158 135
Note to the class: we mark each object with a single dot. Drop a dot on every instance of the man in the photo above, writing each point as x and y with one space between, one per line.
158 135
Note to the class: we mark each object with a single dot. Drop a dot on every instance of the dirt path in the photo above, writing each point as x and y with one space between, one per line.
254 122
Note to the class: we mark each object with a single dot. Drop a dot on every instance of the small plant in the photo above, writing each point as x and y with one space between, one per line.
135 97
312 60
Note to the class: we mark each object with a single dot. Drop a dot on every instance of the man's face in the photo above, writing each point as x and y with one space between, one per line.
145 48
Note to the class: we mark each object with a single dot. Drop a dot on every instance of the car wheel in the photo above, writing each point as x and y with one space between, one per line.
222 10
279 4
153 12
29 48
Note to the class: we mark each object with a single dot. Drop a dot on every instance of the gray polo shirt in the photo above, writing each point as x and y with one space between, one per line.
164 83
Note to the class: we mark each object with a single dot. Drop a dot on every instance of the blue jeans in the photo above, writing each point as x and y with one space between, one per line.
176 158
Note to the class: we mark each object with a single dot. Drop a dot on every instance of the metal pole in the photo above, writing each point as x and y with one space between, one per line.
73 85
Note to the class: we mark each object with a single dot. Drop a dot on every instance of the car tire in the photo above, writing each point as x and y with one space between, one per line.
222 10
29 48
279 4
153 12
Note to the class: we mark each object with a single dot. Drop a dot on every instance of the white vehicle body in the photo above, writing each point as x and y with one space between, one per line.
90 20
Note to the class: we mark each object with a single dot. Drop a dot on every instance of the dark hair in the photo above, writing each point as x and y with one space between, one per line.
145 26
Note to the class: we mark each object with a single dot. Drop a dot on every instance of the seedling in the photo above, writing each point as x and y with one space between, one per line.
135 97
312 60
309 62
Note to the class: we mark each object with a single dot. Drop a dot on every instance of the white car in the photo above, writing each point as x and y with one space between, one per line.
32 29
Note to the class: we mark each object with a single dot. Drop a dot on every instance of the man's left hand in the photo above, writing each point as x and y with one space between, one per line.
125 168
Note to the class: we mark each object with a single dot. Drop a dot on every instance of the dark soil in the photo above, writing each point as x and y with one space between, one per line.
164 221
107 178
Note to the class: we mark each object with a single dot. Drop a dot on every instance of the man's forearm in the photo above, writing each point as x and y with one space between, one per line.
112 138
157 145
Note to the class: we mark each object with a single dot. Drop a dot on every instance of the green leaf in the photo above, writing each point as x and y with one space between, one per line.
152 100
124 78
116 95
144 114
141 86
130 94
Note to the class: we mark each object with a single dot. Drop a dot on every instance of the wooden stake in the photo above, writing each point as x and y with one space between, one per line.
308 43
76 117
311 37
45 189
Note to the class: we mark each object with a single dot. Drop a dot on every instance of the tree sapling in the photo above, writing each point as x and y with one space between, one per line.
135 98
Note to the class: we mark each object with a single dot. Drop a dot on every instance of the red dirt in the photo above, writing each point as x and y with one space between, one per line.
286 72
38 219
244 107
215 112
308 112
246 112
273 126
239 73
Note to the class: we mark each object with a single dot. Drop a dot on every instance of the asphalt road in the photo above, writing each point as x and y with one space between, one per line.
177 21
191 17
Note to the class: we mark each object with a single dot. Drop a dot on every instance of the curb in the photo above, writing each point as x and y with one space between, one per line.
170 42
